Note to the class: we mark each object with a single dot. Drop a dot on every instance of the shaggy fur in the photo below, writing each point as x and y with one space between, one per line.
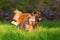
27 21
17 14
37 15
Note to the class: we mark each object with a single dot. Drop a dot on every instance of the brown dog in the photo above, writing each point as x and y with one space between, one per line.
33 20
27 21
21 19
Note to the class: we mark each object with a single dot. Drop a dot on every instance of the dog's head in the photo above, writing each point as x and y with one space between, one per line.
37 15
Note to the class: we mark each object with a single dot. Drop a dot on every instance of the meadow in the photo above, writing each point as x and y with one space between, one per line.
48 31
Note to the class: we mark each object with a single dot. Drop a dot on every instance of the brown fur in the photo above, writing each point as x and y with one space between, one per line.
37 15
17 14
22 17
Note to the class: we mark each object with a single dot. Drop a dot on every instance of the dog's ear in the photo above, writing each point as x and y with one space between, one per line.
34 13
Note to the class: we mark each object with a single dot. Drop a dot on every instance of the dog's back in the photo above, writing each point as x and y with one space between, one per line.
23 17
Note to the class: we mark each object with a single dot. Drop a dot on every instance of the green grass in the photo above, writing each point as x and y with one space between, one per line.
50 24
48 31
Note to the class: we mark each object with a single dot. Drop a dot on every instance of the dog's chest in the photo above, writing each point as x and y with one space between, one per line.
32 20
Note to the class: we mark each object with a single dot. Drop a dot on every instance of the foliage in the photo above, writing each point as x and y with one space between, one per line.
19 4
28 4
50 8
5 5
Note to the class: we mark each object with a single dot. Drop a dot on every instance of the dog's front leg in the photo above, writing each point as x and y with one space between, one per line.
37 27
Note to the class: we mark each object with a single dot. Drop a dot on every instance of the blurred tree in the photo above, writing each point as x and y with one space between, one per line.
49 7
19 4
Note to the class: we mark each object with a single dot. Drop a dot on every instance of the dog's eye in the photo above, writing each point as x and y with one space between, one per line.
34 12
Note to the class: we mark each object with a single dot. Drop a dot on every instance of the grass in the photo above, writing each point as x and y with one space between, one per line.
48 31
50 24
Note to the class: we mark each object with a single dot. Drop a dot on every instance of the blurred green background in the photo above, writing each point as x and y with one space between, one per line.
50 8
49 26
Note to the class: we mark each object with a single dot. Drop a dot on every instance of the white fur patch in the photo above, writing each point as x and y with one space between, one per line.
32 20
15 23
